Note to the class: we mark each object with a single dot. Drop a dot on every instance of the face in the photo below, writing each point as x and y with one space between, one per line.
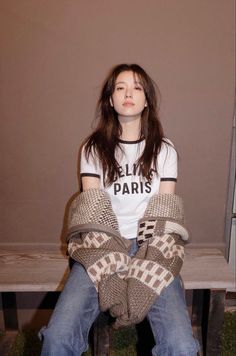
128 98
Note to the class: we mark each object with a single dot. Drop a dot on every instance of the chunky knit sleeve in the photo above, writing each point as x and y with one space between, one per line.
161 240
93 236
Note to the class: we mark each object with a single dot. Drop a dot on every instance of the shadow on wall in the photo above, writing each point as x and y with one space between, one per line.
64 230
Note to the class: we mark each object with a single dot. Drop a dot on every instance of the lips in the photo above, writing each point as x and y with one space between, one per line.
128 103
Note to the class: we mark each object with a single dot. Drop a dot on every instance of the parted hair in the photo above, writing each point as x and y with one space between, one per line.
104 140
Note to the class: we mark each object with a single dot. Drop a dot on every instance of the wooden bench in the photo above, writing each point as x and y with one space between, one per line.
205 273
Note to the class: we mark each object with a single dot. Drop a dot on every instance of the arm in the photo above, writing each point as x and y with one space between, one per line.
95 242
167 187
167 169
90 182
158 261
90 171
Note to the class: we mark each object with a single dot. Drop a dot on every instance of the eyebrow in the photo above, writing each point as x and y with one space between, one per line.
135 82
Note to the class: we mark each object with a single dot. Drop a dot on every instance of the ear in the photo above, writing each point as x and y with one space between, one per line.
111 102
145 105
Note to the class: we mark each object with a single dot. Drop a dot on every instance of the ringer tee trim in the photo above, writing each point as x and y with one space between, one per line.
169 179
131 142
89 175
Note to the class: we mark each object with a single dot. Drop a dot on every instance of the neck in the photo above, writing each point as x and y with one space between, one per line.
130 128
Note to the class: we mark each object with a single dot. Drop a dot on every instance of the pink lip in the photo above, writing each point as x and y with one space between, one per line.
128 103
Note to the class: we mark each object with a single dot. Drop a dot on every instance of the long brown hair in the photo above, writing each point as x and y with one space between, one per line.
105 139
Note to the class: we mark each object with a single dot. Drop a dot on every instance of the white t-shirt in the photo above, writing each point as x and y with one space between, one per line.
131 192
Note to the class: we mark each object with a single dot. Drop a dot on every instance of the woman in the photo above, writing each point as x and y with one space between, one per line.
128 250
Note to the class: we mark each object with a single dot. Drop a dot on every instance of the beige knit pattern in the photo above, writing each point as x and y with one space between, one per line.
127 286
159 258
92 206
100 261
167 206
99 252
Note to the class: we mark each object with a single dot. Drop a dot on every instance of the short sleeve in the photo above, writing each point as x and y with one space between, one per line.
168 162
89 167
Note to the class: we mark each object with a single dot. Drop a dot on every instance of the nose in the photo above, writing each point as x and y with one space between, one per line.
128 93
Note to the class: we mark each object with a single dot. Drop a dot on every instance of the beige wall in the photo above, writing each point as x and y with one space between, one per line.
54 56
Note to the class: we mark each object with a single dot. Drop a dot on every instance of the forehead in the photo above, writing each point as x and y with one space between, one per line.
128 77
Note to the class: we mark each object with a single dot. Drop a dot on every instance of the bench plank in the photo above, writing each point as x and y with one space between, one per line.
31 271
28 270
206 268
44 270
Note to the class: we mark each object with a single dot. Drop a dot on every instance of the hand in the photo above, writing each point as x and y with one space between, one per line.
112 292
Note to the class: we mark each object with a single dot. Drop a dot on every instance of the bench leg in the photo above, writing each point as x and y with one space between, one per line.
197 316
208 318
10 322
101 335
9 310
215 322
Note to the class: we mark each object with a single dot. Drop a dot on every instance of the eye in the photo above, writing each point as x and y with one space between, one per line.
138 87
119 88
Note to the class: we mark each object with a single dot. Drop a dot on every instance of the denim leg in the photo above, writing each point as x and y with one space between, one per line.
133 248
170 323
73 316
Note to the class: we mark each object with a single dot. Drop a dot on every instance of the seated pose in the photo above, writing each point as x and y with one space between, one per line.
126 229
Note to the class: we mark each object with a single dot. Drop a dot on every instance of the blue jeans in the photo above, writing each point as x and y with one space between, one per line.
77 308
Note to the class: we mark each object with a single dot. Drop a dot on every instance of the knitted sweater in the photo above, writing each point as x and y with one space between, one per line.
127 286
